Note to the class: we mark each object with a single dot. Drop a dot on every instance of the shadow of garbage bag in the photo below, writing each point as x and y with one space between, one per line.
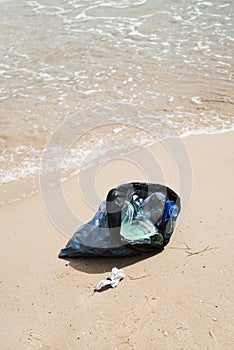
136 218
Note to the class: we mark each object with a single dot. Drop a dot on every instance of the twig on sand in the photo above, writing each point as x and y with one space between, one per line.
138 278
190 252
127 342
211 334
182 248
206 249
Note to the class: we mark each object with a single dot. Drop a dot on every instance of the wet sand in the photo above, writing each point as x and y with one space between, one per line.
181 298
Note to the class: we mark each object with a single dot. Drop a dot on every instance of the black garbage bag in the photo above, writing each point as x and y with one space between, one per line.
135 218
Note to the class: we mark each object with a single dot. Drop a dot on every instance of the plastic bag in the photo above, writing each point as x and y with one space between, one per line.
135 218
94 239
154 206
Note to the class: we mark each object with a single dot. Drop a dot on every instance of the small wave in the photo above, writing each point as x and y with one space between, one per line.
67 57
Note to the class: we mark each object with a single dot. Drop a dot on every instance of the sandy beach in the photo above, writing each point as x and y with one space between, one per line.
95 94
181 298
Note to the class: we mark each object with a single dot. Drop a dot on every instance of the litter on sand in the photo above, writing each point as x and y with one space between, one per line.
113 279
135 218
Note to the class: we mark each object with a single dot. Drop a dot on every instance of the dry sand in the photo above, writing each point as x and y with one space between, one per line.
167 301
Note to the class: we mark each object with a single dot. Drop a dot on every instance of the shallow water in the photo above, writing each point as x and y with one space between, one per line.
62 58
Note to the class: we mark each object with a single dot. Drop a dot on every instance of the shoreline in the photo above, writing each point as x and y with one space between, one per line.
180 298
23 188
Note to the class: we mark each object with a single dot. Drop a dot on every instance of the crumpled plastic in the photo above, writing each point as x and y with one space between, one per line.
113 279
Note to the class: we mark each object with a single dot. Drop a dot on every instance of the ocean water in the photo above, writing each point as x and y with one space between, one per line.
118 69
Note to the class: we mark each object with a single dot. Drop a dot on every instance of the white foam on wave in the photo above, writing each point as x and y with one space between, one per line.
75 157
196 99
